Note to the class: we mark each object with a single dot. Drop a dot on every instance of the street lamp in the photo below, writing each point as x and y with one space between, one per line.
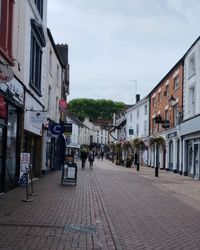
173 103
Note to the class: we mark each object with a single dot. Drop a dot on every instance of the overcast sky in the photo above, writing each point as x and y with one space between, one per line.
115 43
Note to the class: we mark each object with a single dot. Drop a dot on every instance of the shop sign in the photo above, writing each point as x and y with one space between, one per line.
172 135
6 73
38 117
67 129
62 104
3 109
56 129
166 124
24 167
14 90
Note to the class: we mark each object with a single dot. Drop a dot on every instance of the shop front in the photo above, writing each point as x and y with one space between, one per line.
11 110
190 133
35 117
173 151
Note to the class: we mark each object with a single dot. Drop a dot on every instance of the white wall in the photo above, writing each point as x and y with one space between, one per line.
190 81
133 120
54 82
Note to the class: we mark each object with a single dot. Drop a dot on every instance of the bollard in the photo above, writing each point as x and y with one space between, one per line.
138 166
27 199
156 171
31 177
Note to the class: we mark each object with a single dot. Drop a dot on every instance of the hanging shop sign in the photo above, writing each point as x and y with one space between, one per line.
6 73
38 117
3 109
56 129
14 91
67 129
62 104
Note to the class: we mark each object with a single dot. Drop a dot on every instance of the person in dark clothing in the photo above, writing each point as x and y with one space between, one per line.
91 159
83 158
102 155
136 159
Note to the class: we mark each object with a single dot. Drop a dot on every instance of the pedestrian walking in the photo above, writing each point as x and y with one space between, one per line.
91 159
102 155
83 158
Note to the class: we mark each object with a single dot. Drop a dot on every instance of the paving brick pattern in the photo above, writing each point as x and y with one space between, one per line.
128 209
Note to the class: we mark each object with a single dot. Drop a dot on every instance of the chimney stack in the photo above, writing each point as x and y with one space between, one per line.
137 97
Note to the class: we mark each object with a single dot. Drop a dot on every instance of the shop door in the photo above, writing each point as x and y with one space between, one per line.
196 161
2 169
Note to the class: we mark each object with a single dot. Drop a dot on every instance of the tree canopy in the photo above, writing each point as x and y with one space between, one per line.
94 109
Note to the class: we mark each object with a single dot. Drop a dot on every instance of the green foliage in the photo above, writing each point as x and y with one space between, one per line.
157 141
94 109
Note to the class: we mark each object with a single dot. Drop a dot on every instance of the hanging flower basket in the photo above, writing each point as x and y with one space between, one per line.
126 145
157 141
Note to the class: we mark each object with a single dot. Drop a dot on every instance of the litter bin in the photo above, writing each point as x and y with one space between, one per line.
69 173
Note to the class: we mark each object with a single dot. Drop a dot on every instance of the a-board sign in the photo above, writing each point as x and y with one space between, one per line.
24 166
71 173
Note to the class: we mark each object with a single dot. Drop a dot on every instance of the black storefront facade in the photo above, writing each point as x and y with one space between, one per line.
11 117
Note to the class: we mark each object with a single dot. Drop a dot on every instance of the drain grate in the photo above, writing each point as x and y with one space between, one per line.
80 228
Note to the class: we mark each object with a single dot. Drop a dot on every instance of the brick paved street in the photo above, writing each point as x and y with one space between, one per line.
122 209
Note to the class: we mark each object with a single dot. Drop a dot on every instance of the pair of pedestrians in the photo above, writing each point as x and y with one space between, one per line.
90 157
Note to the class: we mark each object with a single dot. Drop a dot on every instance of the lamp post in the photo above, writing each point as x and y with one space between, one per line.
173 101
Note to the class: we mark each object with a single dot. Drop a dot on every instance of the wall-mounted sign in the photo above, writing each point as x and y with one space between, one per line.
6 73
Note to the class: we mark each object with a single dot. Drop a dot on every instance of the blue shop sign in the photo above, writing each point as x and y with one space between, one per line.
56 129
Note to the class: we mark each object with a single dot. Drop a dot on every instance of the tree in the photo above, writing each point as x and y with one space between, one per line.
94 109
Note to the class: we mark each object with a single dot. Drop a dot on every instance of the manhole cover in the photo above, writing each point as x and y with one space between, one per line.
80 229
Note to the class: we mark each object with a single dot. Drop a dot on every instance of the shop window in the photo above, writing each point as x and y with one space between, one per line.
6 24
11 161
